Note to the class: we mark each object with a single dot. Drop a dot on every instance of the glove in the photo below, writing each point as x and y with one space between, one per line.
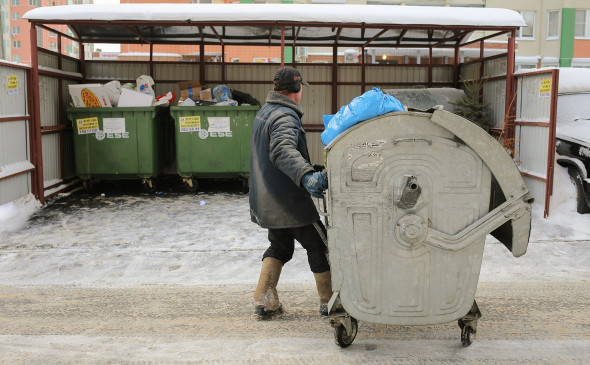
319 167
315 183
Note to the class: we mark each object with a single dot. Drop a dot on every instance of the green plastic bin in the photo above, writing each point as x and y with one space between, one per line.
118 143
213 141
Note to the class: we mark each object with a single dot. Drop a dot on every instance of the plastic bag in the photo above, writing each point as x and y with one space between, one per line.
113 89
371 104
144 85
221 93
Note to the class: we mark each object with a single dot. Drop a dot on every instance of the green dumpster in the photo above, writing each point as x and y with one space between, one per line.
118 143
213 142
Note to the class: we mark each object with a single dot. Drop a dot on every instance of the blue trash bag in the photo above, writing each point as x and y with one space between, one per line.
371 104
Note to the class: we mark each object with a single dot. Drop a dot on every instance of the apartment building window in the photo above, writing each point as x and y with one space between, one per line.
15 2
15 44
582 29
527 32
16 58
15 30
35 2
553 21
15 16
53 46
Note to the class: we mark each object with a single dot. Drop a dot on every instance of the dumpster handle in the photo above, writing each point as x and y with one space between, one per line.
509 210
324 209
400 140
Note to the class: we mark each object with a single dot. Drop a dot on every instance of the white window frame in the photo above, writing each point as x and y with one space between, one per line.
15 16
586 24
558 15
519 33
15 44
15 2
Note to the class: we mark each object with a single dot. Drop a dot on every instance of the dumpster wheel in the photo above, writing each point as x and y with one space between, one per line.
149 185
344 338
88 185
466 332
190 184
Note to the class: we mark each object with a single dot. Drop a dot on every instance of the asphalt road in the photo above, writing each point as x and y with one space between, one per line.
537 323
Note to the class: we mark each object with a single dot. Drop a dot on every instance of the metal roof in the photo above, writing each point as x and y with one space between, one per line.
263 24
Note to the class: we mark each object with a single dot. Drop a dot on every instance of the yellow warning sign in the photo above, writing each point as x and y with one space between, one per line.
87 125
12 84
545 88
189 124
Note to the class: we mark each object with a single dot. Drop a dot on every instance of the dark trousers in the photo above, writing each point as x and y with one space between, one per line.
313 238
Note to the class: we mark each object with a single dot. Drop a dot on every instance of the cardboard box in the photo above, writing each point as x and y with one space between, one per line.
89 95
206 95
190 89
134 98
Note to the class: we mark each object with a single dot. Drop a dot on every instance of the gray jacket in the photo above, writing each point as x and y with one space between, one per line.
278 160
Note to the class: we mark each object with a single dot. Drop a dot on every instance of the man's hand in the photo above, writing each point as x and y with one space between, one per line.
315 183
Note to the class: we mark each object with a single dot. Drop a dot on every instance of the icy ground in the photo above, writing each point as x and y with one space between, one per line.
117 239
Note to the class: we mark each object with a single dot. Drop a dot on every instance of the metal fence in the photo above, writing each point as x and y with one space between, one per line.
16 163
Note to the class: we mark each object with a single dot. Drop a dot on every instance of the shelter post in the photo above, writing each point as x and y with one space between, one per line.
510 107
35 110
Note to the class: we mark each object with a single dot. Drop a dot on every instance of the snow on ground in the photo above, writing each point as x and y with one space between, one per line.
208 239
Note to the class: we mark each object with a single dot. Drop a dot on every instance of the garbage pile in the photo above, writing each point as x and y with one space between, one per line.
141 94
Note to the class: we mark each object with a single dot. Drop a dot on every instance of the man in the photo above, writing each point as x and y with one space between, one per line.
281 181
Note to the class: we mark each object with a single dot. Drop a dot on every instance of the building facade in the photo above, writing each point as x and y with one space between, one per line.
558 34
16 40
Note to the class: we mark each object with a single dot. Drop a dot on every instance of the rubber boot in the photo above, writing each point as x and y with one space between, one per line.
266 297
323 283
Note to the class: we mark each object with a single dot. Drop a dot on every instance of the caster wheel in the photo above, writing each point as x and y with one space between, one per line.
149 185
344 339
88 185
191 185
466 332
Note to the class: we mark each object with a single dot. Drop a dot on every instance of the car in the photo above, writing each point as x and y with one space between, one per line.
572 134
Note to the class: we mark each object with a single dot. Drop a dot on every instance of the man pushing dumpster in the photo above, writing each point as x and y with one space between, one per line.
282 181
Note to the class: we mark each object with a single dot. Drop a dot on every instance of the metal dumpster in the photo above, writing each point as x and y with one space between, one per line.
118 143
411 198
213 142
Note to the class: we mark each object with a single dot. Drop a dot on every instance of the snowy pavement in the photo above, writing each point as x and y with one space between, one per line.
120 275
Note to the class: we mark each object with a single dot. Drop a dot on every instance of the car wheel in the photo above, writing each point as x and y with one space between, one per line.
581 206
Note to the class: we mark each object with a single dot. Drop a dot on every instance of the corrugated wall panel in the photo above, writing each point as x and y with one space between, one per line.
14 103
176 71
315 147
14 135
14 145
495 67
349 73
70 65
212 72
532 106
245 72
531 149
49 94
536 188
51 159
443 74
14 188
494 93
116 70
316 73
406 74
470 71
48 60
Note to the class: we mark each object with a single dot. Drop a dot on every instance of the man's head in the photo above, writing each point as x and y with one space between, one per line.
288 79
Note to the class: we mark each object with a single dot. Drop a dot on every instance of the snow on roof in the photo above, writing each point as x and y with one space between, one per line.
320 13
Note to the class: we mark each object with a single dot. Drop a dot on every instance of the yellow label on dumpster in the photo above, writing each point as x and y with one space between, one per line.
189 124
87 125
545 88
